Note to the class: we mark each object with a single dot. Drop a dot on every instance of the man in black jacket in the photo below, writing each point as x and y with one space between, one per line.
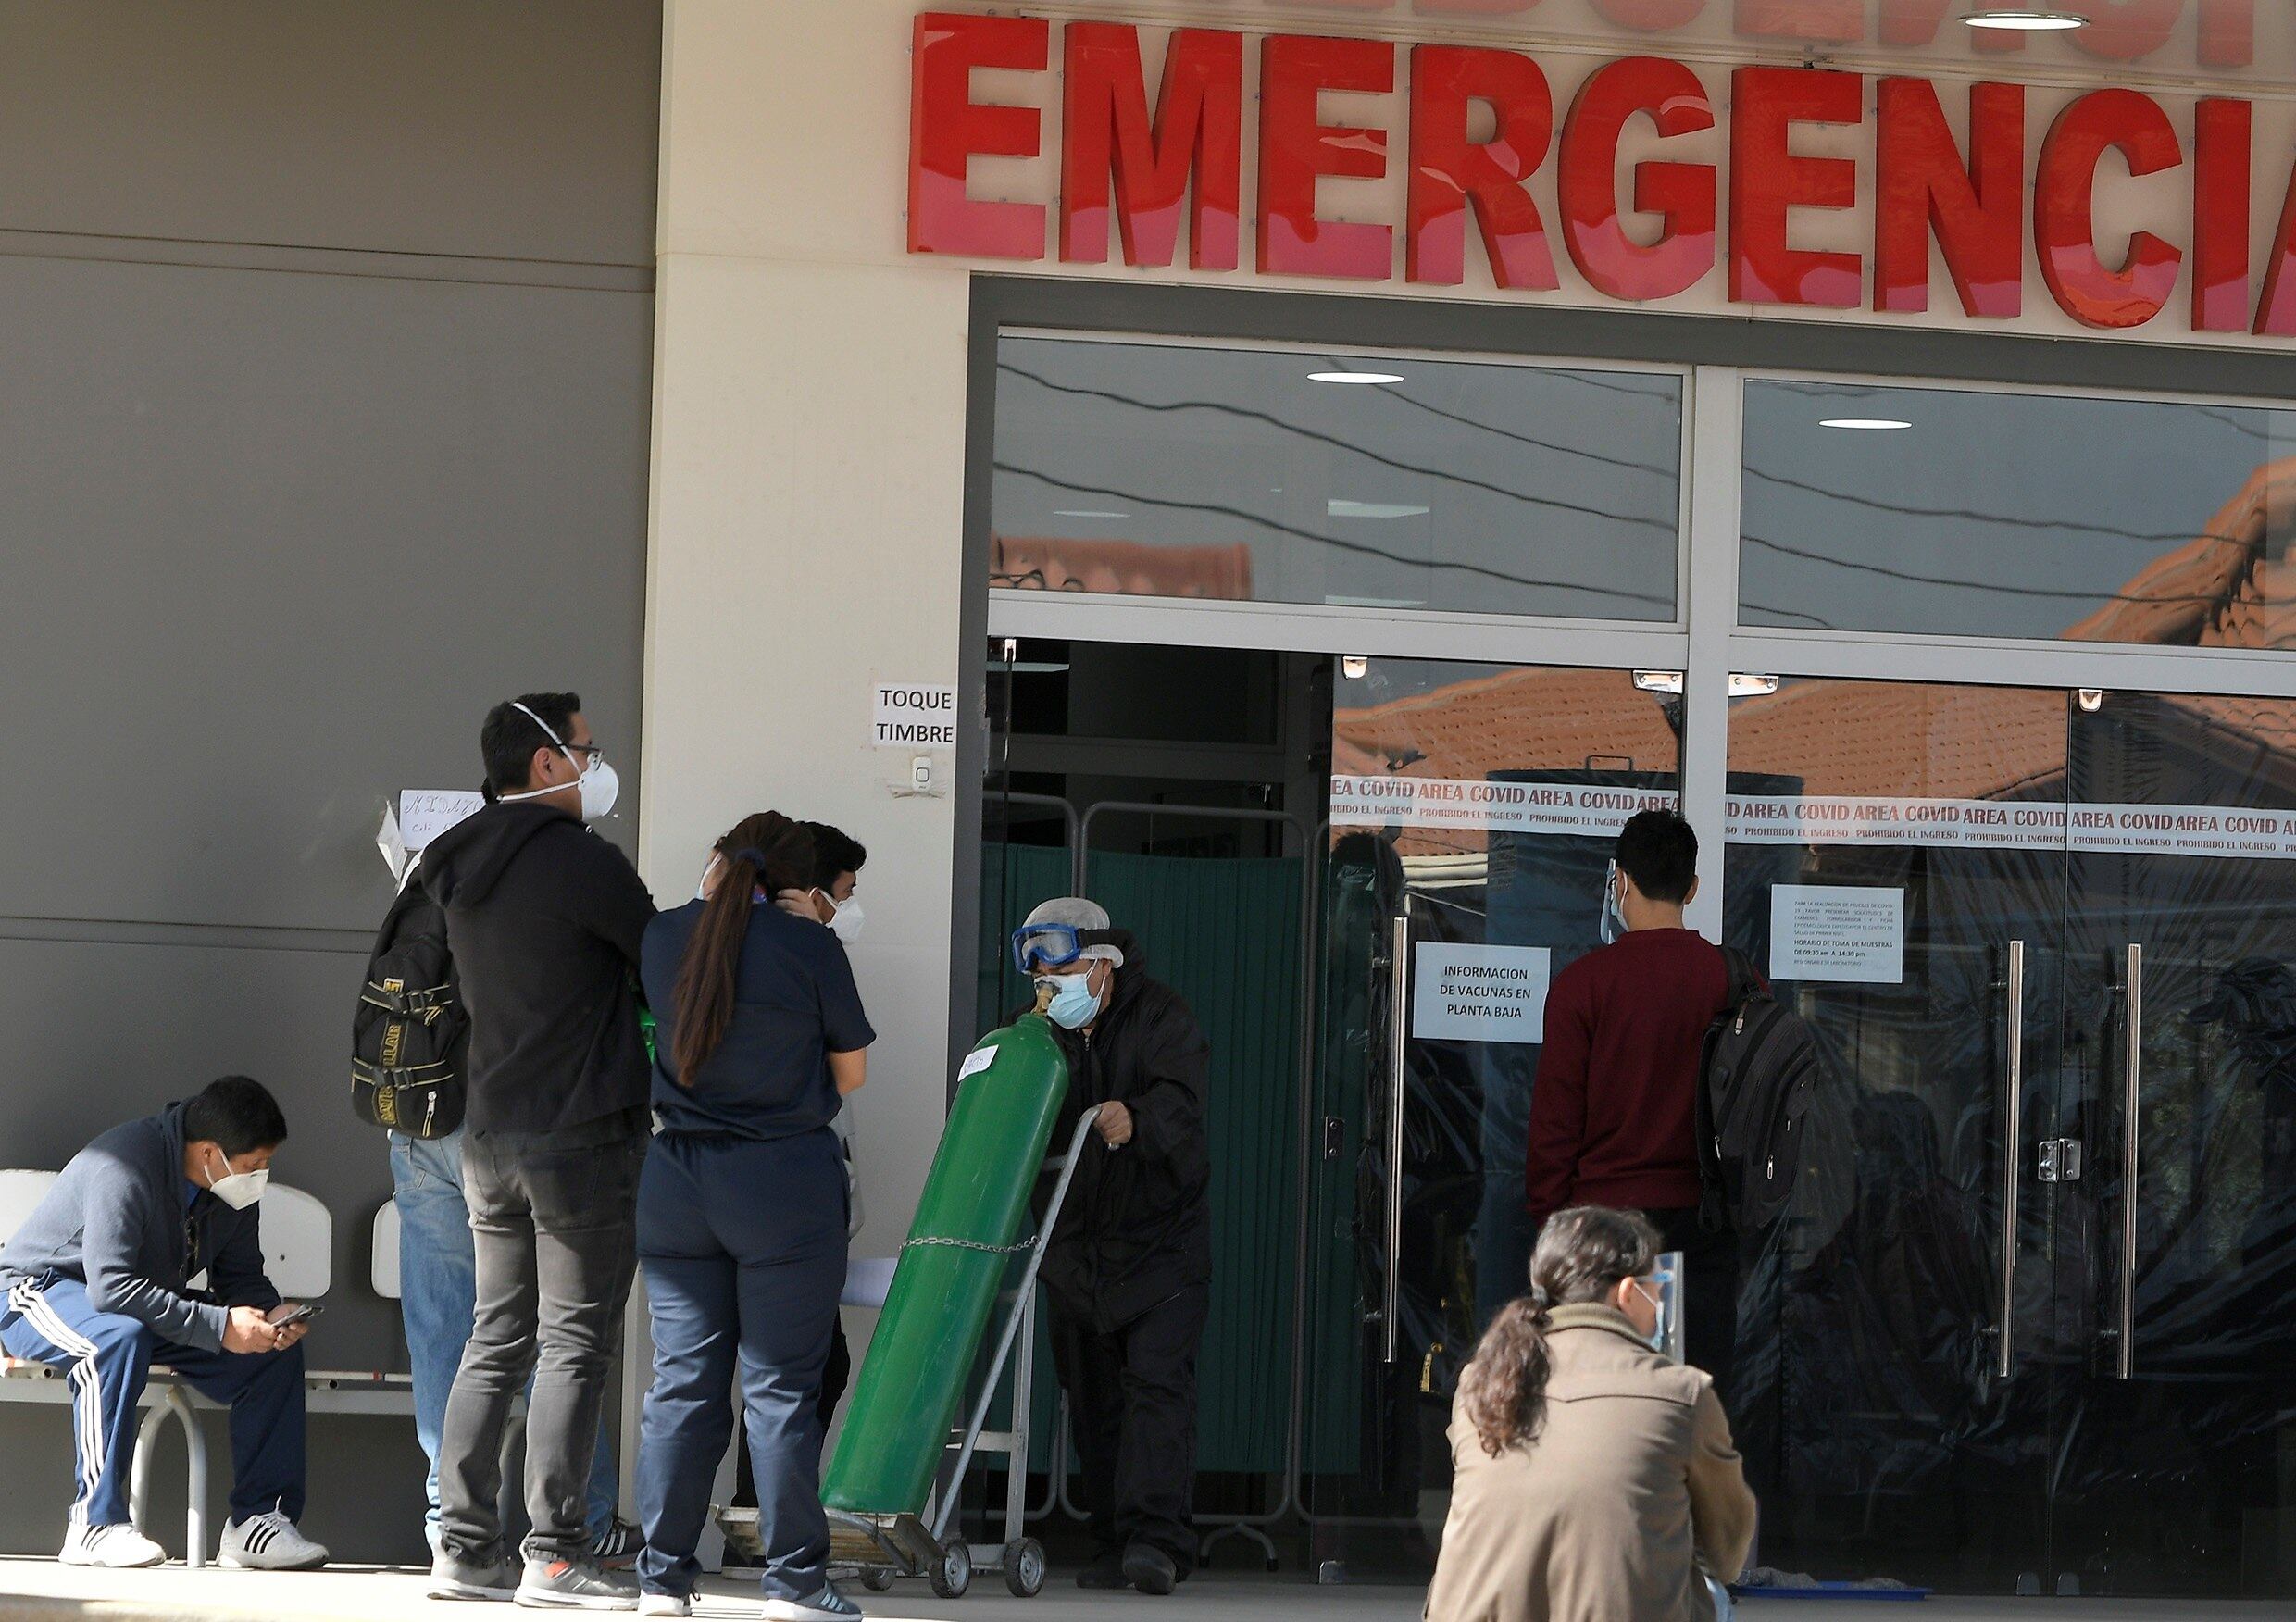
543 921
1129 1270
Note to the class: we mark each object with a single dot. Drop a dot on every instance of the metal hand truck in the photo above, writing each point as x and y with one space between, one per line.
879 1549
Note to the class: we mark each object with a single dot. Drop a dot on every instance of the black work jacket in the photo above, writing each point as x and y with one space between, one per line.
1137 1227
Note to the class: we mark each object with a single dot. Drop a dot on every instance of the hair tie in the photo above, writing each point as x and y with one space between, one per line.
750 853
1539 1298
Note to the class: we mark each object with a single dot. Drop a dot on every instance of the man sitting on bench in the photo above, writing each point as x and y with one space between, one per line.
96 1282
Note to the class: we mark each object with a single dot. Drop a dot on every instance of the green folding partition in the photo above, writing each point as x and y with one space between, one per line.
1225 932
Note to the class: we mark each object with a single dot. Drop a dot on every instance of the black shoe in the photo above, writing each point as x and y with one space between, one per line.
1106 1572
1150 1569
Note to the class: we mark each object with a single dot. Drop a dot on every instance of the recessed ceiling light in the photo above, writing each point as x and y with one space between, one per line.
2025 19
1871 424
1353 377
1087 513
1339 508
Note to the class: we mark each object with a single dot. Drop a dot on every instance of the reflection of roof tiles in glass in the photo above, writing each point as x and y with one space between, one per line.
1880 739
2223 590
1135 567
1530 720
1902 739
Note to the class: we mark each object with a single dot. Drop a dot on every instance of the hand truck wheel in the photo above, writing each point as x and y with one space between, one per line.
877 1581
953 1573
1024 1568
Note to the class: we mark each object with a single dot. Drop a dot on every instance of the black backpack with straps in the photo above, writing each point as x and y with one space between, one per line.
1756 1076
410 1039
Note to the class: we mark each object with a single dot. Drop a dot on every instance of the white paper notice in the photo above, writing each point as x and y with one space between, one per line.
1480 993
424 814
912 717
1838 932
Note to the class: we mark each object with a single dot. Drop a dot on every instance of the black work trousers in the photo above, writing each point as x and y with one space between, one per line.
1132 1405
1709 1290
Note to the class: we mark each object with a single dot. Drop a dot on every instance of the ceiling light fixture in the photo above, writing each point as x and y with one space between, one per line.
1354 667
1340 507
2025 19
1865 424
1353 377
2092 700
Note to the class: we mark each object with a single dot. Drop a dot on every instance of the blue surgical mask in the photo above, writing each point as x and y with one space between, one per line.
1075 1004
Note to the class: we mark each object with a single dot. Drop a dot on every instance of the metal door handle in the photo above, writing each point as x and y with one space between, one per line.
2012 1152
2132 1066
1398 1046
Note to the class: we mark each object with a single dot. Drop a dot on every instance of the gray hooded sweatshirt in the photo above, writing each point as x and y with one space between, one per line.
117 1222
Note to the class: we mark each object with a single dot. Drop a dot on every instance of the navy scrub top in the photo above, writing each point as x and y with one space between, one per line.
794 1005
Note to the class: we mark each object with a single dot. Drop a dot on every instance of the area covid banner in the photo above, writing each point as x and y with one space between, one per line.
1596 811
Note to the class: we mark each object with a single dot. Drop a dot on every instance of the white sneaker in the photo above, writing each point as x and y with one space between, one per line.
116 1547
664 1605
270 1541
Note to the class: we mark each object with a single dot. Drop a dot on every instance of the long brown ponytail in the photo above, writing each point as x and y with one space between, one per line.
765 850
1582 1254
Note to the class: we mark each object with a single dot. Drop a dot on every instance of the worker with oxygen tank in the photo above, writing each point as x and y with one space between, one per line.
1128 1271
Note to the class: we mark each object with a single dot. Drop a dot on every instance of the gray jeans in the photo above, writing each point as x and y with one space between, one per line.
552 1219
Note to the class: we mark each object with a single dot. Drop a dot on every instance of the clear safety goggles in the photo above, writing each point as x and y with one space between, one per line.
1038 946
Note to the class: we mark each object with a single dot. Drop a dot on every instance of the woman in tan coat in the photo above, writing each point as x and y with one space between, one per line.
1595 1480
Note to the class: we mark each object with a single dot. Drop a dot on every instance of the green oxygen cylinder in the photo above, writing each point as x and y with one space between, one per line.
974 1210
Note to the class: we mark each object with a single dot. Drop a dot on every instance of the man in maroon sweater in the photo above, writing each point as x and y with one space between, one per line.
1613 1107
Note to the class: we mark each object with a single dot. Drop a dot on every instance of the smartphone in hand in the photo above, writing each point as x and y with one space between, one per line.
302 1314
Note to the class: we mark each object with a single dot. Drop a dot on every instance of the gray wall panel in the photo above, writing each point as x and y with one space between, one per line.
508 128
325 368
92 1032
271 542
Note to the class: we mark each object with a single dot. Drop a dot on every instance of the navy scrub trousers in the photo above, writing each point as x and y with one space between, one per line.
106 1359
743 1244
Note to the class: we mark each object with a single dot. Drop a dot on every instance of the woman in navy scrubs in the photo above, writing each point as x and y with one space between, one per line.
742 1212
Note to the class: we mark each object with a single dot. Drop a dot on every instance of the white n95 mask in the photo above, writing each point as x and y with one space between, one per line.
600 783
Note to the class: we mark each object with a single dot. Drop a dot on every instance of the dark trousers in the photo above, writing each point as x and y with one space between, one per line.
106 1359
744 1246
1709 1290
1132 1405
836 1374
552 1220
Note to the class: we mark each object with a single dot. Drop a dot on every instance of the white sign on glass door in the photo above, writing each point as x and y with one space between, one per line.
1853 932
1479 993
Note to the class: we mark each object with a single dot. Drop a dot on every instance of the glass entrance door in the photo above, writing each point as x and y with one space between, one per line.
2177 1256
1896 865
1473 808
2022 1329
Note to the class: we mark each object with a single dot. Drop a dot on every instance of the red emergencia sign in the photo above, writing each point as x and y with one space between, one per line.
1144 161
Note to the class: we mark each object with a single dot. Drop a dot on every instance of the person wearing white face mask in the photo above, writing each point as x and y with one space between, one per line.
543 924
96 1282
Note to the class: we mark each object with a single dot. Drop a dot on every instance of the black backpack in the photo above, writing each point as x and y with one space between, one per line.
1755 1079
410 1039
